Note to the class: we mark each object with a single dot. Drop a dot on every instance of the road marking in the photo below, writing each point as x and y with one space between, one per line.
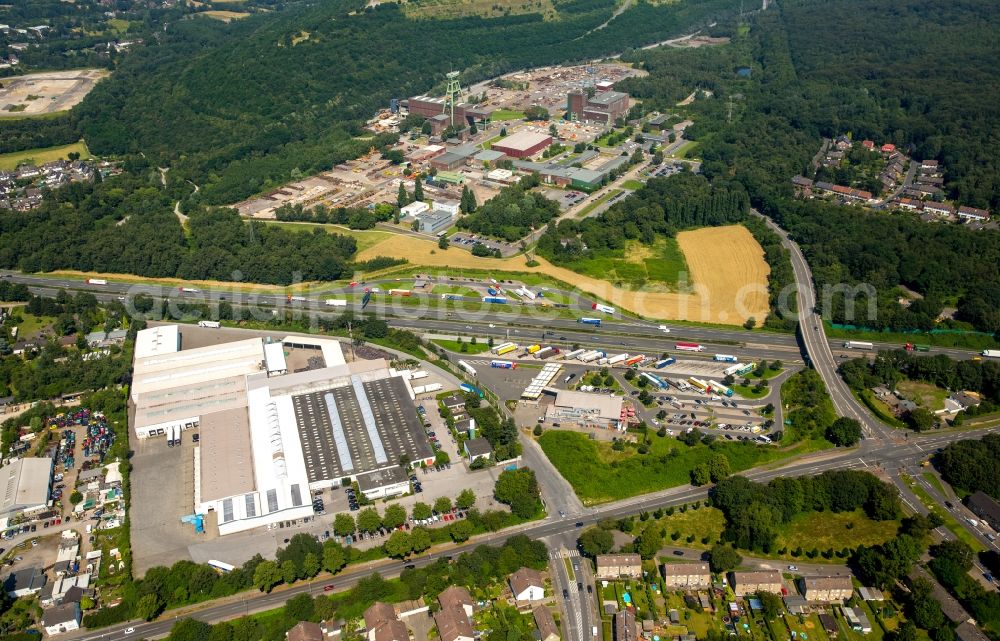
863 462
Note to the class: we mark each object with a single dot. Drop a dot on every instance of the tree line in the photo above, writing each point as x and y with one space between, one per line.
754 511
891 367
662 207
970 466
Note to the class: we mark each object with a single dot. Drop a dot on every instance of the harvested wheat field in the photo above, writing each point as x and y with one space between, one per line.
727 290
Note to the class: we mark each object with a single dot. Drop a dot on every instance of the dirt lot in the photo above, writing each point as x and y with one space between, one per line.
42 93
724 291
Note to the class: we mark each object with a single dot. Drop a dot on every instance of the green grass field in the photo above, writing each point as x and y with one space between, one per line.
637 265
933 479
364 238
506 114
632 184
43 155
967 341
705 521
455 346
458 290
834 531
32 324
748 393
598 474
926 395
687 150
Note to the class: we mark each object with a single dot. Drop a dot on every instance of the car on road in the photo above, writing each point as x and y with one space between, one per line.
327 588
678 553
793 568
565 593
579 586
129 630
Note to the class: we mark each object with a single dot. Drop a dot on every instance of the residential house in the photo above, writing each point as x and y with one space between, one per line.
332 627
453 403
686 576
910 204
527 585
614 566
61 618
624 626
406 609
942 209
478 448
381 624
453 625
967 631
985 507
929 166
971 213
746 583
547 630
305 631
457 597
827 589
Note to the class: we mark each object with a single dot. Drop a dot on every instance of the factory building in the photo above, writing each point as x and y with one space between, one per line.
269 436
25 483
428 107
604 106
434 221
523 144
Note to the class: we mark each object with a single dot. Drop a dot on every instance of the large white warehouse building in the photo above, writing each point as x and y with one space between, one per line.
269 437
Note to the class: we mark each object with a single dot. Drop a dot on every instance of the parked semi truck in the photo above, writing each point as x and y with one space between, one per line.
400 292
503 348
589 321
689 347
210 324
503 364
991 353
534 348
499 300
603 308
655 380
424 389
858 345
465 387
546 352
96 281
527 293
592 355
336 302
492 291
719 388
575 353
468 368
618 358
920 348
189 290
635 360
670 360
724 358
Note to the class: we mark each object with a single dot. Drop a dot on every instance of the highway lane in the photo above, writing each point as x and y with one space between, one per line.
442 318
812 332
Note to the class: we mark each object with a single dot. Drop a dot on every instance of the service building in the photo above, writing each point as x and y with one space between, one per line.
523 144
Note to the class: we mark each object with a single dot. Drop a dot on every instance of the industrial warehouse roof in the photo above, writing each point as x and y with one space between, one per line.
606 97
226 456
162 339
522 140
193 366
604 405
25 483
489 155
382 478
188 402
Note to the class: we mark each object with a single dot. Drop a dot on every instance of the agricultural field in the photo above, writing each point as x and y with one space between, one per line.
734 286
44 93
725 292
659 265
43 155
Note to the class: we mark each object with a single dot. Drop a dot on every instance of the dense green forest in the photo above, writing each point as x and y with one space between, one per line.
971 465
251 106
662 207
125 225
926 89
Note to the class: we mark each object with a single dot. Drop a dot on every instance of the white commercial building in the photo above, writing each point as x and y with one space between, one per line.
25 484
414 208
267 437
